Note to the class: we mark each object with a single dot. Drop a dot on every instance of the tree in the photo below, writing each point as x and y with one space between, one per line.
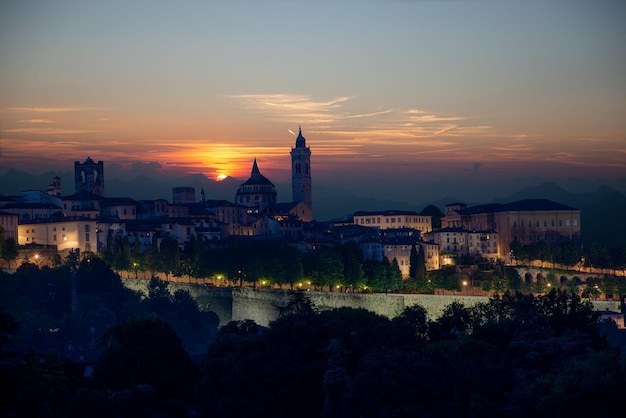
352 261
394 276
152 258
420 272
9 251
375 275
145 352
293 265
325 267
170 256
413 262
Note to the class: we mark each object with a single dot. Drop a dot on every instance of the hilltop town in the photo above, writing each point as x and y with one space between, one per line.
90 221
85 335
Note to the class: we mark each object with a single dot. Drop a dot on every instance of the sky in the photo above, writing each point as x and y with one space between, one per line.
381 88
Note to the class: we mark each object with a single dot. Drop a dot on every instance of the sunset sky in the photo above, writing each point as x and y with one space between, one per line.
382 88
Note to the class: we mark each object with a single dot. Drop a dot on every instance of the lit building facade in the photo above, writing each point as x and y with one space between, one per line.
64 234
394 219
527 221
9 223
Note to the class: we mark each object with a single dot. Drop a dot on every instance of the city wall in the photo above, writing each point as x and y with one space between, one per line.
262 306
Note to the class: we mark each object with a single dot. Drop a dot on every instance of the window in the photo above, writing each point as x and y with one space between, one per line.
560 222
567 222
515 224
54 238
575 222
530 223
87 236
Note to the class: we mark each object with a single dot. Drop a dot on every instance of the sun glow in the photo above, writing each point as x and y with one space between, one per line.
221 177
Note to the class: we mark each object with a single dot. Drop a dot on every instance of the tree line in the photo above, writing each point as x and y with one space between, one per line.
259 263
571 254
159 355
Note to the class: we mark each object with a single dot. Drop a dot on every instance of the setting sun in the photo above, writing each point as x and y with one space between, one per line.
221 177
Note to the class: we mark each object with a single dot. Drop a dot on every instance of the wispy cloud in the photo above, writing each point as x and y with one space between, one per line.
334 118
53 109
49 131
34 121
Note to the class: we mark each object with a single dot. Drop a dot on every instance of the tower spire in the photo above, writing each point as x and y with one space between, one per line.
255 169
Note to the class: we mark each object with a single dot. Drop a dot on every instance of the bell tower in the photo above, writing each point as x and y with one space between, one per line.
89 177
301 171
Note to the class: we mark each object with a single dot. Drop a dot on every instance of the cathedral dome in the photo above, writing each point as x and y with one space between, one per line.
257 191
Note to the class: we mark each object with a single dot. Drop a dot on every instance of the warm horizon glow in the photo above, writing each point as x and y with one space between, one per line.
409 89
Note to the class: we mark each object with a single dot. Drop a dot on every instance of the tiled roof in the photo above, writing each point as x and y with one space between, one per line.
527 205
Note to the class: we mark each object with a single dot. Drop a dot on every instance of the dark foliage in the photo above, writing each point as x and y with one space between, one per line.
515 356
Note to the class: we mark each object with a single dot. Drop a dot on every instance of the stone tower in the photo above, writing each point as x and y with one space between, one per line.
301 171
89 177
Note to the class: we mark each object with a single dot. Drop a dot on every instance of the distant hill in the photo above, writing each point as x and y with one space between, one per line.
13 182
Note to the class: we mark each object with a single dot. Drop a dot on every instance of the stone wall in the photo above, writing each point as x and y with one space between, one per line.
262 306
218 300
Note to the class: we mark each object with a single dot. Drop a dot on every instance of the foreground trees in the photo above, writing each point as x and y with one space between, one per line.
514 356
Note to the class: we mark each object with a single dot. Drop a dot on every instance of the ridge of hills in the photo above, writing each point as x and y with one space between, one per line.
602 205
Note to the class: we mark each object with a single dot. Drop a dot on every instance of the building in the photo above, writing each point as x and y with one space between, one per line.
54 189
82 204
30 212
527 221
456 242
9 224
301 171
183 195
285 210
257 193
394 219
64 234
89 177
119 208
399 247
